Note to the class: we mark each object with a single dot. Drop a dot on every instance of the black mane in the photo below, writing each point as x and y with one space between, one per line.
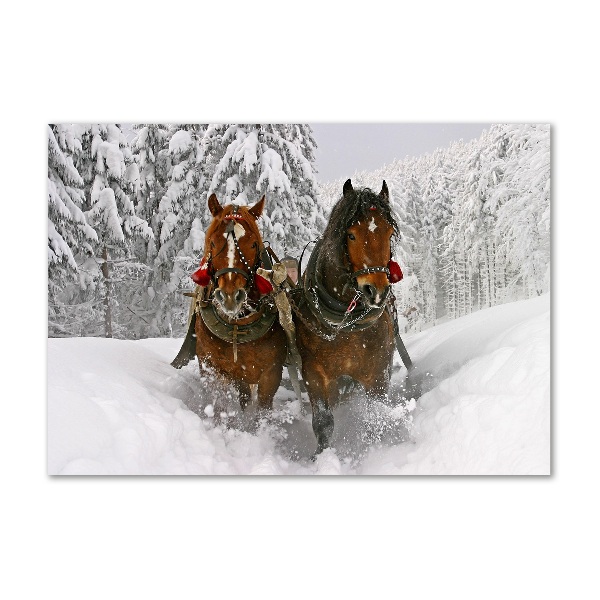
349 209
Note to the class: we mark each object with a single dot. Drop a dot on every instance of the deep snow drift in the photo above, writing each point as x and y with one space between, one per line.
118 407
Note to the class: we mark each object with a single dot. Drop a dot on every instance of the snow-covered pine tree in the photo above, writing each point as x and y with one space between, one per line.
494 195
183 216
470 221
443 209
406 196
248 161
428 275
69 233
150 149
111 178
481 213
524 216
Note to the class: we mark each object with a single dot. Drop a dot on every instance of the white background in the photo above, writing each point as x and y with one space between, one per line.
87 538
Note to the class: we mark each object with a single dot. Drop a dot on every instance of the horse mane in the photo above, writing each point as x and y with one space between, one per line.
349 209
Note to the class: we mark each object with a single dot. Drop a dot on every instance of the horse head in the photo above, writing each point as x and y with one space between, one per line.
232 247
369 226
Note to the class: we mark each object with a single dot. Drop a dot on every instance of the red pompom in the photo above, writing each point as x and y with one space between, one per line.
202 275
263 285
395 272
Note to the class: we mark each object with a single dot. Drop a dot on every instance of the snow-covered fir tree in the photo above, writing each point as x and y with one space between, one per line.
150 149
112 179
182 218
69 233
475 221
249 161
474 217
524 216
68 229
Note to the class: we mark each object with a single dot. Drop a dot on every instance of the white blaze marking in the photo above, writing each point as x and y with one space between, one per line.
239 232
372 226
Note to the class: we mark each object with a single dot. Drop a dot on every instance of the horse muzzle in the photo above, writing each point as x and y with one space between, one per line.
231 303
374 295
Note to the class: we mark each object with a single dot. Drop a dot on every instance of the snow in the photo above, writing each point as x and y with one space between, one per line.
273 173
58 249
115 161
105 211
180 142
118 407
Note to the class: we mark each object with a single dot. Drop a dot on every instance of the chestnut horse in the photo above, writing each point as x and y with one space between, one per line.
343 309
234 328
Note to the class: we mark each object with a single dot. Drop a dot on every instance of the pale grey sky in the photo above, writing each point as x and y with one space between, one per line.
343 148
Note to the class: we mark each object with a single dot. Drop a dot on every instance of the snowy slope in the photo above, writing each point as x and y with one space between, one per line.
118 407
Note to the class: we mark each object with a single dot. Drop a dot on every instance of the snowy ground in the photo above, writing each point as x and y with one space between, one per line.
118 407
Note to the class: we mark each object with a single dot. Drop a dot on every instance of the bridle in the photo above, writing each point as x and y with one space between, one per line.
357 274
354 275
366 271
249 273
205 277
334 313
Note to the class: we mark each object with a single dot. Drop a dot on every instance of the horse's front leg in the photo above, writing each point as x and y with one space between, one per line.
318 386
377 422
244 393
268 384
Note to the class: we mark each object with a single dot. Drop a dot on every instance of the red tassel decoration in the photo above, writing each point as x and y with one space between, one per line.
202 275
263 285
395 272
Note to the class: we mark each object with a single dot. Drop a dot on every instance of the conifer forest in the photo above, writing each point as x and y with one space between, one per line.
127 212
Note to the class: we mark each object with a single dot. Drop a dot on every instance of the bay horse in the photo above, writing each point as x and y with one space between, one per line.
343 309
234 328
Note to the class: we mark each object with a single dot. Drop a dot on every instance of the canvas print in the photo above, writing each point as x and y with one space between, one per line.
299 299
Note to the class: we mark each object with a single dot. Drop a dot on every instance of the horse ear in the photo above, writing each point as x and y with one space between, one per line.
257 209
348 189
384 191
214 206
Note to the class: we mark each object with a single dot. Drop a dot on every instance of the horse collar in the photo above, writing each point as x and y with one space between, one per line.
232 332
329 310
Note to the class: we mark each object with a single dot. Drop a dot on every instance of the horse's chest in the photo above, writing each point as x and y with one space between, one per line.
252 357
357 354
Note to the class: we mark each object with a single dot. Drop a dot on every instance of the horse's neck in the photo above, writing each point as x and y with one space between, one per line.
333 276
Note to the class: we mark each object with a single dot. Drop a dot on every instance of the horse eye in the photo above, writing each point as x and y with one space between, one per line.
212 244
351 236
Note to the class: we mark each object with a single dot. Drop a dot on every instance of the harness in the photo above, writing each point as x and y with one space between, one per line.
229 330
232 332
336 316
330 312
230 231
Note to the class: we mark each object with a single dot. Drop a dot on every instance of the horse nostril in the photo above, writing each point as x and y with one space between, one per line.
240 296
219 296
370 291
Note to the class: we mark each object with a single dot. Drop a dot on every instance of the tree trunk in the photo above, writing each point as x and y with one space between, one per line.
107 312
